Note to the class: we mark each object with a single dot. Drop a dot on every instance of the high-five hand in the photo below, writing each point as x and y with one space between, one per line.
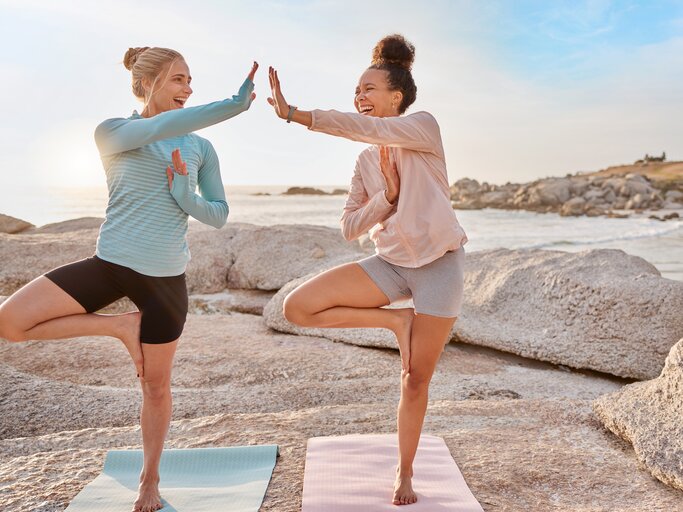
390 173
178 165
251 76
277 100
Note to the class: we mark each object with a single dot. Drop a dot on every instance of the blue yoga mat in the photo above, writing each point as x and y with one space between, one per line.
192 480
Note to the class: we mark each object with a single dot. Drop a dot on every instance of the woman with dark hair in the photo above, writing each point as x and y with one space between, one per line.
142 249
400 194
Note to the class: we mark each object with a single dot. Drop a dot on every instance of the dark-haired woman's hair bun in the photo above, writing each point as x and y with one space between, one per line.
394 50
132 55
395 55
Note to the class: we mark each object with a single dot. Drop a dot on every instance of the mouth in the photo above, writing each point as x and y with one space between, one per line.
179 102
366 109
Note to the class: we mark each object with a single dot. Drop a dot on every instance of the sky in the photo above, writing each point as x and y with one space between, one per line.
521 89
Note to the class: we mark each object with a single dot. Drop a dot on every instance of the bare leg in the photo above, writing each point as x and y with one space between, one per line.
41 310
428 337
154 420
345 296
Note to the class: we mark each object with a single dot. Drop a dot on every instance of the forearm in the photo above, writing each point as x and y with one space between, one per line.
355 222
116 136
213 212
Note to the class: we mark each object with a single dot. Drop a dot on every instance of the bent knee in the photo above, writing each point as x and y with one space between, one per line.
9 331
294 310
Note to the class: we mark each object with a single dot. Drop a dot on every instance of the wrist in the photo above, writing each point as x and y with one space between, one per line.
391 198
290 113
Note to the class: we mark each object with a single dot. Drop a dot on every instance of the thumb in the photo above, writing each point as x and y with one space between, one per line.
271 102
169 176
253 96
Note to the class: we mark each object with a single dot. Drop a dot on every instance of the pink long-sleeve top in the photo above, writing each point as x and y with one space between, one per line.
422 225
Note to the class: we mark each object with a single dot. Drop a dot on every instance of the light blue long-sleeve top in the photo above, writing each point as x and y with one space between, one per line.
145 225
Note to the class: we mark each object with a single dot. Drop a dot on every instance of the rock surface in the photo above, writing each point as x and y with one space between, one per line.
600 309
584 310
648 415
13 225
652 187
236 256
522 432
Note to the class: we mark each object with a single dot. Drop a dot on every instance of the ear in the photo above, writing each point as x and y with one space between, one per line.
397 98
147 86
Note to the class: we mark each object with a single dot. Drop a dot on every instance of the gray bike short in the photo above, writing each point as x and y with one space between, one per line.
436 288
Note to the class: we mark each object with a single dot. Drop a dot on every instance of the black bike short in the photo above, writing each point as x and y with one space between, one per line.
95 283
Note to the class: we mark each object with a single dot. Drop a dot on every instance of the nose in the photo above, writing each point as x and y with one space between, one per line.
188 89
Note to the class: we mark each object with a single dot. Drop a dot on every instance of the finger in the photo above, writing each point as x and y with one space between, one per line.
169 176
271 80
253 96
177 160
183 168
252 73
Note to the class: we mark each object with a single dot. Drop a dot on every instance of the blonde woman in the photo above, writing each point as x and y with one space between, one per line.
400 194
142 249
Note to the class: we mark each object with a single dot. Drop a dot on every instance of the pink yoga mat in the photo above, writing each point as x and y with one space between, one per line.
356 473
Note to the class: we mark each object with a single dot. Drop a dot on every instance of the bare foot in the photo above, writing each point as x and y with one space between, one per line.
149 498
403 490
402 332
129 334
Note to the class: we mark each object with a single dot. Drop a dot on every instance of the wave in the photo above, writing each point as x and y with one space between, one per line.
650 233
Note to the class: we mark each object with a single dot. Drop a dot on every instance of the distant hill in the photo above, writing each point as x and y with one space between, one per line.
659 172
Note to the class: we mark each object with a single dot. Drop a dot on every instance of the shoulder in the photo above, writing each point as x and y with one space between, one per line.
423 118
108 124
369 153
205 149
203 144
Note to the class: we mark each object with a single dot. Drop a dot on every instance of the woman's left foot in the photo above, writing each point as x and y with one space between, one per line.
149 498
403 491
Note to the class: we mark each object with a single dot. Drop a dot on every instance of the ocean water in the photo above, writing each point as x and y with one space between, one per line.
660 243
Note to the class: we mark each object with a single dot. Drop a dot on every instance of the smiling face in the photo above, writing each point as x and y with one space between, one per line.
172 88
373 96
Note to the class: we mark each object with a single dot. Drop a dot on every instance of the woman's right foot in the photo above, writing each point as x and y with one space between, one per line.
149 498
403 491
129 334
402 332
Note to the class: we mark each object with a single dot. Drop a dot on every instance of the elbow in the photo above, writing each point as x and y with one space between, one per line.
347 233
221 220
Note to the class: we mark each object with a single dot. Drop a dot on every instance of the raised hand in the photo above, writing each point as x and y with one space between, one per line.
178 165
277 100
251 76
390 173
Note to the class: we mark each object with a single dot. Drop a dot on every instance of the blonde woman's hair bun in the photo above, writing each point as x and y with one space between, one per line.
131 56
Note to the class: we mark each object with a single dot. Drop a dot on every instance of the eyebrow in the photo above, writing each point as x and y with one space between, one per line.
181 75
369 83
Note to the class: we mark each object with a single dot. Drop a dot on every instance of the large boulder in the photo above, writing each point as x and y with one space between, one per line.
13 225
26 256
496 199
602 309
263 257
236 256
552 192
648 415
575 206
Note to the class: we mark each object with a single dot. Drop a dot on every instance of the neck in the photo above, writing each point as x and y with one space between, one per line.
150 111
